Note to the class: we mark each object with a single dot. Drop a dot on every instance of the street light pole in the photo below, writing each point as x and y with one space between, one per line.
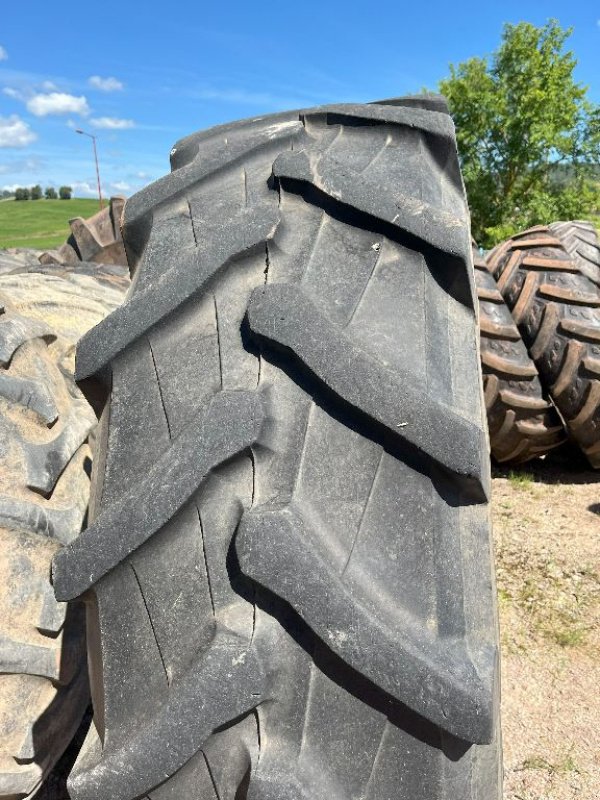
93 138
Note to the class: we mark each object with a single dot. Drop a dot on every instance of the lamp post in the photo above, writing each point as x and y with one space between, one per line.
93 138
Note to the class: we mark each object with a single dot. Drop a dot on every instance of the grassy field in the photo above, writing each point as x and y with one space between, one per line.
41 224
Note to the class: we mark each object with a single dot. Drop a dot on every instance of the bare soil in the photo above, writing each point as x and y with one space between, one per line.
547 535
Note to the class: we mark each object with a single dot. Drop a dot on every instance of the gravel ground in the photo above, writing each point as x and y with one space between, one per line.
546 529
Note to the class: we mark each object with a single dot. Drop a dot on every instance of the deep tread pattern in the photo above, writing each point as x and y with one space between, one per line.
282 314
580 240
522 420
232 424
410 216
44 490
224 679
305 576
249 230
63 302
96 239
44 423
557 309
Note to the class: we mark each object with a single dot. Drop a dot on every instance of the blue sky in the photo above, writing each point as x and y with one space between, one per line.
141 75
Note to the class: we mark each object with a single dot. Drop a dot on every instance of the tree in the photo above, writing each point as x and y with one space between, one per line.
22 194
65 192
50 193
528 138
36 192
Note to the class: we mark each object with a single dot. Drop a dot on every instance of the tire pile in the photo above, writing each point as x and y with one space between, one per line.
47 428
282 520
539 317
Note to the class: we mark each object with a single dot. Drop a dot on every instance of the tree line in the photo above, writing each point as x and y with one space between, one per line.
35 193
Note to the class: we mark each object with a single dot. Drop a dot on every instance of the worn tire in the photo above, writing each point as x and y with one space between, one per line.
44 489
95 239
522 421
557 309
288 572
70 300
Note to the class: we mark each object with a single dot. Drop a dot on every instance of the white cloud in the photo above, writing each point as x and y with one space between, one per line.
105 84
112 123
120 186
15 132
57 103
84 189
14 93
48 86
3 53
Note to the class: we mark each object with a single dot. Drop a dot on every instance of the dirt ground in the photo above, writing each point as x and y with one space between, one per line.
547 535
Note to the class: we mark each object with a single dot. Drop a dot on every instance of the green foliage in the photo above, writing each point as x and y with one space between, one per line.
528 139
50 193
22 194
36 192
65 192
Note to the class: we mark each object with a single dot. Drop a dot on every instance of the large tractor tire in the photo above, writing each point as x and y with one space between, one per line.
96 239
46 426
288 571
44 489
68 299
522 421
557 309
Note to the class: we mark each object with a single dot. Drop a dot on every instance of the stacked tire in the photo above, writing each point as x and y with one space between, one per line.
45 430
549 278
96 239
522 421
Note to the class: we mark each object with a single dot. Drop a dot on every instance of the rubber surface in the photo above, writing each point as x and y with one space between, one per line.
580 240
95 239
44 488
557 309
288 570
522 420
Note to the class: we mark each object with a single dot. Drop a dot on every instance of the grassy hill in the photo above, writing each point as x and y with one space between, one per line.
42 224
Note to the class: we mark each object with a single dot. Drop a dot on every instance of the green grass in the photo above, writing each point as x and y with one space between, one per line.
537 762
41 224
520 480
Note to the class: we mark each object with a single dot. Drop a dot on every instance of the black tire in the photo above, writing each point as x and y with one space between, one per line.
295 402
557 310
44 488
522 421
